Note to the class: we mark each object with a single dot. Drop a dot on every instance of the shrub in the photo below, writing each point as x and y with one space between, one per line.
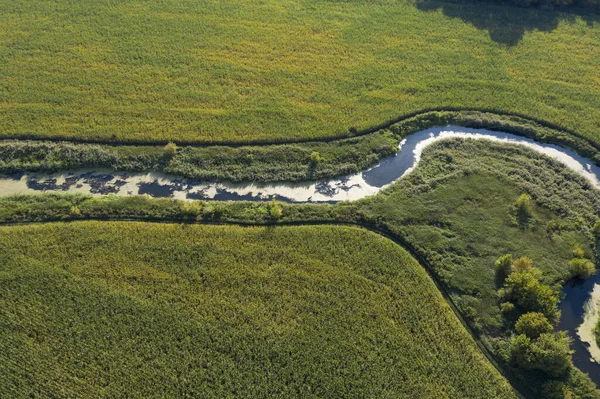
214 211
191 208
554 389
315 158
581 268
523 264
549 353
275 211
533 324
578 252
526 291
504 266
507 309
170 149
524 209
74 211
596 229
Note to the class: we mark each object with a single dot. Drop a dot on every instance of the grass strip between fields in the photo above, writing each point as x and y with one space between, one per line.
276 162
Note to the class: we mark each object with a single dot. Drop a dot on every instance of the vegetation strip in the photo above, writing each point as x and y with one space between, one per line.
460 210
290 162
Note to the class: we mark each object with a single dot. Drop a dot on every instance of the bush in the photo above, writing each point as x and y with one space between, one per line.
170 149
504 266
508 310
315 158
578 252
549 353
533 324
524 209
596 229
214 211
581 268
275 211
191 208
526 291
523 264
554 389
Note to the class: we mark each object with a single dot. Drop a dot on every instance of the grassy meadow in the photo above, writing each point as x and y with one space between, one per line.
242 71
132 309
456 211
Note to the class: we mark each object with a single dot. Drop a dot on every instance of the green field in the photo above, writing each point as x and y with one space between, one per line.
109 309
127 308
238 70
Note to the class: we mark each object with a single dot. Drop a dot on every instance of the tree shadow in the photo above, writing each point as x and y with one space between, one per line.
506 23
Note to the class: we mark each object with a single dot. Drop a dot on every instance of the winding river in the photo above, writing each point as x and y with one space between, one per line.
99 182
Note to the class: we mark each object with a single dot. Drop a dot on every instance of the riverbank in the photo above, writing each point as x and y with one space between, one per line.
291 162
453 211
347 188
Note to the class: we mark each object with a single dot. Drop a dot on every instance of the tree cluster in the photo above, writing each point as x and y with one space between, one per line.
534 346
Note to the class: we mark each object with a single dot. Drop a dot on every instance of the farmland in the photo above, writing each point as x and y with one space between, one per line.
443 285
118 309
238 71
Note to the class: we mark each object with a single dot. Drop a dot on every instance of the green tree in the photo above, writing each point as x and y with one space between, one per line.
549 353
581 267
533 324
526 291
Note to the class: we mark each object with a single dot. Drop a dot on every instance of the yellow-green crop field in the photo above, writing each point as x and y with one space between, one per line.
275 70
124 309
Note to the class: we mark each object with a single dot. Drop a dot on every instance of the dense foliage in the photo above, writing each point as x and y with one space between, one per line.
525 290
286 162
235 70
104 309
533 325
549 353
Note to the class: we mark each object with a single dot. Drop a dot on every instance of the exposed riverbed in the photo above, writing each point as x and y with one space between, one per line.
591 313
